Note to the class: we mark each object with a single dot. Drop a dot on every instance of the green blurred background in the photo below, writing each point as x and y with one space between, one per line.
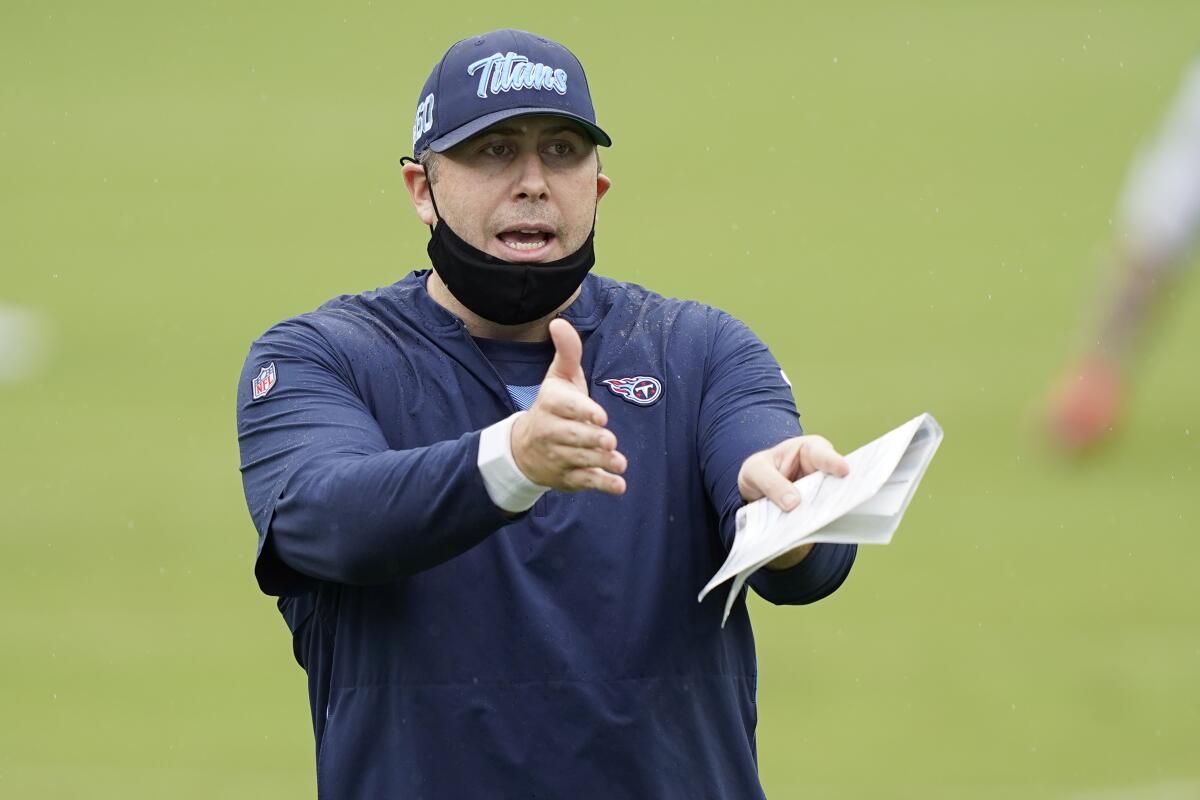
907 201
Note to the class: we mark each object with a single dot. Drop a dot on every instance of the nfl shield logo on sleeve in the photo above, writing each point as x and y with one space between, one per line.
264 382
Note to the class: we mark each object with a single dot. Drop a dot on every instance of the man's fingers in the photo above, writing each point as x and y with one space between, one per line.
563 402
769 473
581 434
763 479
595 478
816 453
586 457
568 354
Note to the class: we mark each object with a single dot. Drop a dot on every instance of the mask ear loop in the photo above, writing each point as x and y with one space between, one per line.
410 160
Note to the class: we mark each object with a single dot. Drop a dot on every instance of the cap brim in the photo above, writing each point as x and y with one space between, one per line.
464 132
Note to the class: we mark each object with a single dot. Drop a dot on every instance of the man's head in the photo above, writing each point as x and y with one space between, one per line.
524 190
506 133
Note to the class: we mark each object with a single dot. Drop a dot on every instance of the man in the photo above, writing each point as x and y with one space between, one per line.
1159 221
493 602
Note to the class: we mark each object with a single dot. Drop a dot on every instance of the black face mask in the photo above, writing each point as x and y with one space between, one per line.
501 291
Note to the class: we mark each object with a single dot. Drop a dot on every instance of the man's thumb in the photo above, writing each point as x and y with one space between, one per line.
568 353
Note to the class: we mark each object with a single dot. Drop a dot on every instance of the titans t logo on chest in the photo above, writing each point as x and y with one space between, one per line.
640 390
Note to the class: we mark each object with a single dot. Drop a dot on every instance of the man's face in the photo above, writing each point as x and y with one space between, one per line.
523 190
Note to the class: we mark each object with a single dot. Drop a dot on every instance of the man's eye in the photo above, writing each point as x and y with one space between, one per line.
497 150
560 149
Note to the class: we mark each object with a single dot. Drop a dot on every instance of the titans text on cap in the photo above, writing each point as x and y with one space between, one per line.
515 71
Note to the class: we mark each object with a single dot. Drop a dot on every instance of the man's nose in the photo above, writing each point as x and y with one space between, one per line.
531 180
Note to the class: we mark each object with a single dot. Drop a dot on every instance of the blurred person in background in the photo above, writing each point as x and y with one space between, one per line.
1159 219
474 623
23 343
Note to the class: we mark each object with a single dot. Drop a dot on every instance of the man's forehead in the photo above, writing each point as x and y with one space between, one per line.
533 125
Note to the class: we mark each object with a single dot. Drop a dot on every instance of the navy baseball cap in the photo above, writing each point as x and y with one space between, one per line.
495 76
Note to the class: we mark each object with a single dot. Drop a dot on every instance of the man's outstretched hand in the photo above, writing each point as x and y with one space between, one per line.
561 441
769 473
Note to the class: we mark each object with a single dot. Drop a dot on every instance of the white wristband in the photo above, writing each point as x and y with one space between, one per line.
506 485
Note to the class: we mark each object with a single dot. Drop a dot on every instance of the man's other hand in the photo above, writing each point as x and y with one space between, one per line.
769 473
561 441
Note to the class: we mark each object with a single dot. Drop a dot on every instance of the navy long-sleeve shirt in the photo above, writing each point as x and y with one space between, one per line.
456 652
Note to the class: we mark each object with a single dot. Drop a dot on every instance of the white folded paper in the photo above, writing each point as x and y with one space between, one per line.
865 507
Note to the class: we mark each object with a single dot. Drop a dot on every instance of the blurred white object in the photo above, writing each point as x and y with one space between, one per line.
1160 207
24 335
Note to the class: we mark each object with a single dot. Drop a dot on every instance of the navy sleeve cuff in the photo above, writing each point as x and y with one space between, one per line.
817 576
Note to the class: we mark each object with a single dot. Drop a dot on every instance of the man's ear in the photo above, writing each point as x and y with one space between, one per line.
416 180
603 184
